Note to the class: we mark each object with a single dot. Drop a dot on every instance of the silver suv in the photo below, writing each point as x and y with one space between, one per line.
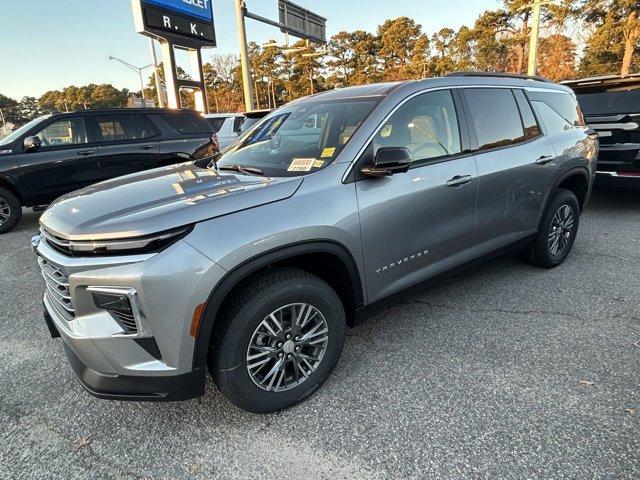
254 266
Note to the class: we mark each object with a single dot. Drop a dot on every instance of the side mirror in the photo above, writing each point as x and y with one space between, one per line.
388 161
32 144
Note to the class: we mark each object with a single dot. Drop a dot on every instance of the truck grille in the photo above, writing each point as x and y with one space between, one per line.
57 283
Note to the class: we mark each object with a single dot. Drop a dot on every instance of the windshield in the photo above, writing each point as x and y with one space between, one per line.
300 139
16 133
612 102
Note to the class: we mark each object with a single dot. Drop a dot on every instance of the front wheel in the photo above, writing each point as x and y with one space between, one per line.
557 231
281 336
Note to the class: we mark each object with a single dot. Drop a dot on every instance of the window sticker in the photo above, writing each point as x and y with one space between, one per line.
328 152
301 165
318 163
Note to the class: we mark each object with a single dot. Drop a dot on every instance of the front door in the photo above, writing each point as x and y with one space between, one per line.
419 223
64 162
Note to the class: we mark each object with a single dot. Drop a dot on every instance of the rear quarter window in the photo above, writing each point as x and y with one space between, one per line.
187 123
564 104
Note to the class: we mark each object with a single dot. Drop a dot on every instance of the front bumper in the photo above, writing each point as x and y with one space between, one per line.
155 364
123 387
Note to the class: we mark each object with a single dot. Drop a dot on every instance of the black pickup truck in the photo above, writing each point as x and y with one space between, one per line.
611 106
56 154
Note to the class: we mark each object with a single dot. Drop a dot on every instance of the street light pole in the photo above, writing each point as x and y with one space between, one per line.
244 56
138 70
159 89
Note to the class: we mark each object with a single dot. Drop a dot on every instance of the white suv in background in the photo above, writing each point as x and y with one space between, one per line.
226 126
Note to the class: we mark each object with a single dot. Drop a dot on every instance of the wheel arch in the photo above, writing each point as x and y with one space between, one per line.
566 179
576 180
329 260
5 183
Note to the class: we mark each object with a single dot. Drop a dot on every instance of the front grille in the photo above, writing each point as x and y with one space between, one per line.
58 244
126 321
57 283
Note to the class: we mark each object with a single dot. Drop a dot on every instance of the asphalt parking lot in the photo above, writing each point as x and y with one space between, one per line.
504 371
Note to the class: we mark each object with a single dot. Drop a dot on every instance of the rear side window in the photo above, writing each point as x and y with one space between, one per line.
495 116
186 123
216 123
561 103
116 128
531 129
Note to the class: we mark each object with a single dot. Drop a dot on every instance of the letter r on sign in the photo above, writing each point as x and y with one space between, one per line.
166 21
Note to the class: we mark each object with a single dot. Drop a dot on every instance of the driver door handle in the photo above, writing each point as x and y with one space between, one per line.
458 180
544 159
87 152
147 147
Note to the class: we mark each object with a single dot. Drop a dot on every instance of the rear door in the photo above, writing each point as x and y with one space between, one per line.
516 165
65 161
422 222
128 143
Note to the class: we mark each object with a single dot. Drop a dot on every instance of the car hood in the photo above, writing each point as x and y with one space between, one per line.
160 199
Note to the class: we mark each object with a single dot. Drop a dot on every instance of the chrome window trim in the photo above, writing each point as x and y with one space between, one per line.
345 176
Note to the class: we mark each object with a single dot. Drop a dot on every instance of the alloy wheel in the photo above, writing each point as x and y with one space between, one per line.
287 347
5 211
560 230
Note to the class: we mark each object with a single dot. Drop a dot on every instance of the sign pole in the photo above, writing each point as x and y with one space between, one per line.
168 63
244 56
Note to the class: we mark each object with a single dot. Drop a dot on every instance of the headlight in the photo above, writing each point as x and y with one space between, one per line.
122 246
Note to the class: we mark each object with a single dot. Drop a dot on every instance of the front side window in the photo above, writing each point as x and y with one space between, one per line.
70 131
427 125
495 117
300 139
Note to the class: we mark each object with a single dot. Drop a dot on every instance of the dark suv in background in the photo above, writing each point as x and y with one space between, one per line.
611 106
56 154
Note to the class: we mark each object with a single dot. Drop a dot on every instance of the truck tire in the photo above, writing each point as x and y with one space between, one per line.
10 210
557 231
281 335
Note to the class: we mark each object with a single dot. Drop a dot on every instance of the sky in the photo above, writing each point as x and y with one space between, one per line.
50 44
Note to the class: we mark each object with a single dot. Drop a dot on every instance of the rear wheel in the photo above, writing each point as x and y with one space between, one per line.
10 210
280 338
557 232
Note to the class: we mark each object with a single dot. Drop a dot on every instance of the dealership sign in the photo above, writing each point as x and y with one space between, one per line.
189 22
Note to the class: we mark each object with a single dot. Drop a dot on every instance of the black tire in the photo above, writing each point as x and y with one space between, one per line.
9 205
541 253
242 316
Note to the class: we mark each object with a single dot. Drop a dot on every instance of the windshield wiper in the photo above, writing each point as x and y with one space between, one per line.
242 169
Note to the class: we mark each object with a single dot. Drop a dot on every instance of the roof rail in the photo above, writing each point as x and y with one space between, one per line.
500 75
632 78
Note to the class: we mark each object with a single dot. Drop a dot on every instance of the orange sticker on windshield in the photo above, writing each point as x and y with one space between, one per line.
301 165
328 152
